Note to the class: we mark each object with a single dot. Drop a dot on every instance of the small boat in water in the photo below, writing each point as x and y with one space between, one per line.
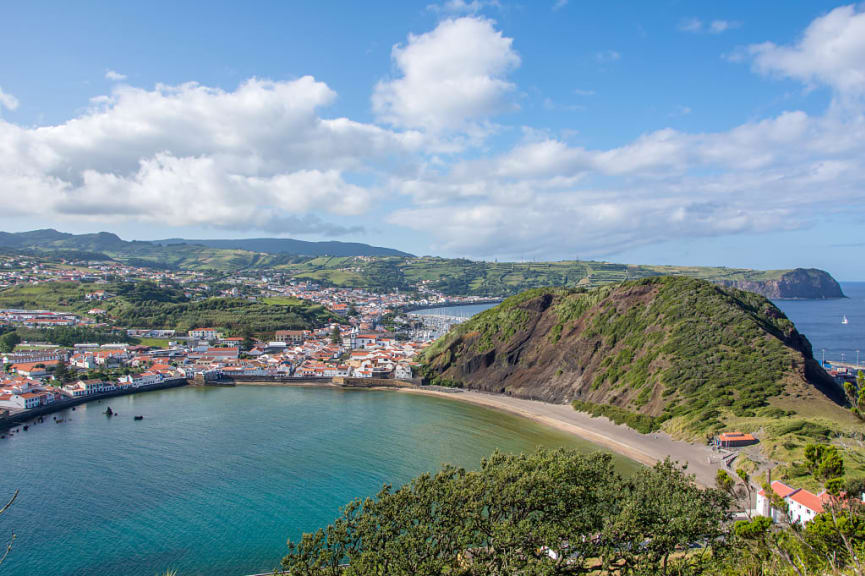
844 320
109 412
138 418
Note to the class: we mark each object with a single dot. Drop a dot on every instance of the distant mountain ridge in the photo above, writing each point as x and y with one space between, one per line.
292 246
50 239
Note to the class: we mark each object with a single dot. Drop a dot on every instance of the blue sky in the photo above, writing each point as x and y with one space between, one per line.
679 132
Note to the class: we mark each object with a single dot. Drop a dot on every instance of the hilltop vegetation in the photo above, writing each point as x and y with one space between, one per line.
678 354
147 305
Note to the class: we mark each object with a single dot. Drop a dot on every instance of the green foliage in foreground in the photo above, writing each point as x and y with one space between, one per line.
561 513
552 512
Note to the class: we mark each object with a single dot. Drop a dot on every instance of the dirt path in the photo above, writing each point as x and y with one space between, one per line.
644 448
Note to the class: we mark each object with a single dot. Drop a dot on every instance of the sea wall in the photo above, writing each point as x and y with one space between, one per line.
26 415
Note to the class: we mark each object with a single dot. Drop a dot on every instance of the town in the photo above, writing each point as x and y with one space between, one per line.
376 335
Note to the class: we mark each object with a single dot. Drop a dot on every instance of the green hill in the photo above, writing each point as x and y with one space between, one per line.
146 305
352 265
679 354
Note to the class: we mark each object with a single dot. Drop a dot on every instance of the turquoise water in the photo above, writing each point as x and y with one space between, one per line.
213 481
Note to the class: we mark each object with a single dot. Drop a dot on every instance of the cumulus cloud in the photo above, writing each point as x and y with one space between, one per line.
7 100
192 155
114 76
450 79
264 156
831 52
548 197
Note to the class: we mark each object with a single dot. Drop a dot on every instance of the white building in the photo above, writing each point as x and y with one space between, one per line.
802 505
205 334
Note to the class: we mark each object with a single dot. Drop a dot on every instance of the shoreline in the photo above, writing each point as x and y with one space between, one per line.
647 449
23 417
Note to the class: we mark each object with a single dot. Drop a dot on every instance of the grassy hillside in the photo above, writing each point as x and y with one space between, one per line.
145 305
671 353
382 272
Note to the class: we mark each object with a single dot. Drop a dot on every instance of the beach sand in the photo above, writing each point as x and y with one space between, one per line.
644 448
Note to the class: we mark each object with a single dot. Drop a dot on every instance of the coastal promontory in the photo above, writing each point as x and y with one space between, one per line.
684 355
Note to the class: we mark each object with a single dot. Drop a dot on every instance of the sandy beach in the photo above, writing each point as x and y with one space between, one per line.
644 448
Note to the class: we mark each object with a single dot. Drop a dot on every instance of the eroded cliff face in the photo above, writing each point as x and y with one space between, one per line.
799 284
663 347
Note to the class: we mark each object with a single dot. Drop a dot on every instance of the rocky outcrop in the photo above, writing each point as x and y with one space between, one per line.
798 284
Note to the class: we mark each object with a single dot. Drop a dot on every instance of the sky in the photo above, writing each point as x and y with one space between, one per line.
727 133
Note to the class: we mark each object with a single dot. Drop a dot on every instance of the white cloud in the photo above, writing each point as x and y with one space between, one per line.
582 92
114 76
719 26
547 197
453 78
263 156
257 157
559 4
7 100
831 52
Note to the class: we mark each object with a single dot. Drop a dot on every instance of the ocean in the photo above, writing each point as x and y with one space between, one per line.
820 322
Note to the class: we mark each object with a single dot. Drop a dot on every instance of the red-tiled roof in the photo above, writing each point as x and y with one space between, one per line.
808 500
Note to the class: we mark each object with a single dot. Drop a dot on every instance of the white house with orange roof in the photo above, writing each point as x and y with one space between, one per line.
802 505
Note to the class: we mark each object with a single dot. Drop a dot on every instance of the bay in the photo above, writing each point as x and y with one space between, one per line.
214 480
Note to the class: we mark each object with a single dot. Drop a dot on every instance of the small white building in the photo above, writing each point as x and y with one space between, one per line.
205 334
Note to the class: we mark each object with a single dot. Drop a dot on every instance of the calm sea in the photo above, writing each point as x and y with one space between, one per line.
820 322
213 481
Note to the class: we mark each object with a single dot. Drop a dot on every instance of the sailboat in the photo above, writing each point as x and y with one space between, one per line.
844 320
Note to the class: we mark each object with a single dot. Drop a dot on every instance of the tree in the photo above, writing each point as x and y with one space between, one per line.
9 341
824 462
336 336
550 512
663 512
61 373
